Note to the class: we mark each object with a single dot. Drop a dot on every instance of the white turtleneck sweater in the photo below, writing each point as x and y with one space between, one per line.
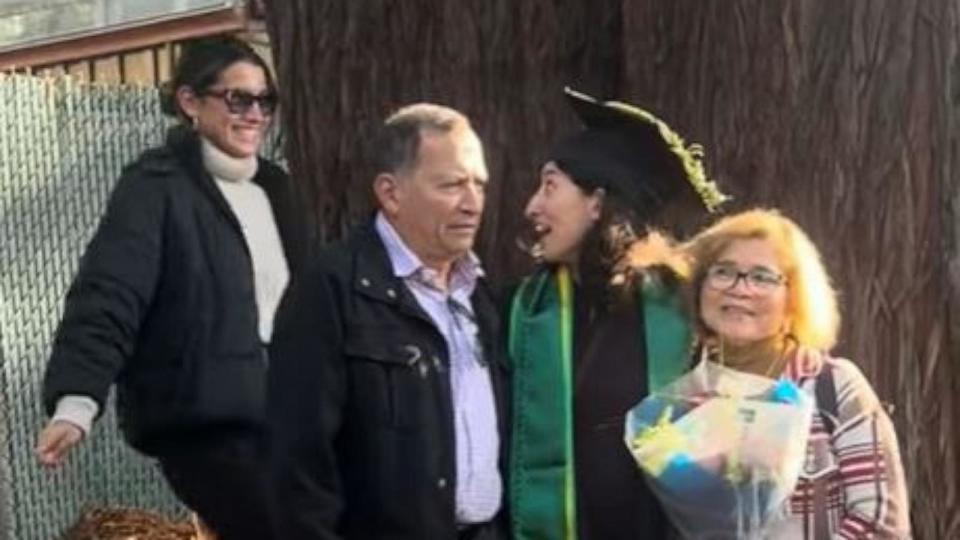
250 204
234 178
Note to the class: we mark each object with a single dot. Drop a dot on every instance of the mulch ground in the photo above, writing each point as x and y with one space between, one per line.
128 524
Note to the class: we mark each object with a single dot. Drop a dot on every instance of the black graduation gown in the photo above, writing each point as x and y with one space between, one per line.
613 500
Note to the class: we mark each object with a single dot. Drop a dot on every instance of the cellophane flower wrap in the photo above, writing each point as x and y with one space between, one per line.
722 449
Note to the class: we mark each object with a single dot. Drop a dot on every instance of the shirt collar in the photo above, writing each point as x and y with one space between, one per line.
406 263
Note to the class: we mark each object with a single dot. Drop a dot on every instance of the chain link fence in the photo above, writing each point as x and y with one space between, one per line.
62 147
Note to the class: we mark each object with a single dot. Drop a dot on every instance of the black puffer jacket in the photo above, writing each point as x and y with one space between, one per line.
163 303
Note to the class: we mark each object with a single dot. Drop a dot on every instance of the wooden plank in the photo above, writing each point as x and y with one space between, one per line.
51 71
110 42
138 67
81 70
164 62
107 70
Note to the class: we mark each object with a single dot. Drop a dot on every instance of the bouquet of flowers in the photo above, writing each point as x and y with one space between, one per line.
722 449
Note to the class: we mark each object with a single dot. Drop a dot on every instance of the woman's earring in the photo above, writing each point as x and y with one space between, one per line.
194 121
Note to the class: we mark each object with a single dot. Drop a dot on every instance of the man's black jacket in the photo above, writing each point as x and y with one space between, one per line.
360 402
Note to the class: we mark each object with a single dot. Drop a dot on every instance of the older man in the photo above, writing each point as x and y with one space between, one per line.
387 383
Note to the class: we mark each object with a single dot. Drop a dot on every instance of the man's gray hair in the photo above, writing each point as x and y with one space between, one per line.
395 147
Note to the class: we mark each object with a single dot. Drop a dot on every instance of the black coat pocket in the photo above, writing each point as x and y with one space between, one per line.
233 389
389 377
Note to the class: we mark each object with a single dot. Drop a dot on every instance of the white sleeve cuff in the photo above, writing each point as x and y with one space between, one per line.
78 410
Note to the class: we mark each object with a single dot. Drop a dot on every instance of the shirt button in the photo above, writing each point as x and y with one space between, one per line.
391 293
442 483
365 282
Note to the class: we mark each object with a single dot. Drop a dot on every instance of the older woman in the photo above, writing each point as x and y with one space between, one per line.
764 305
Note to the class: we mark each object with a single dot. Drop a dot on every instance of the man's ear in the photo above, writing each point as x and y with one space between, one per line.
188 101
386 188
596 203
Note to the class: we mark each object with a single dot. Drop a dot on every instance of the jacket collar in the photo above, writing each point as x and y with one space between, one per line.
373 275
464 271
185 146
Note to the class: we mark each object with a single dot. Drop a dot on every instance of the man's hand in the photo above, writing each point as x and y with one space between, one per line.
55 441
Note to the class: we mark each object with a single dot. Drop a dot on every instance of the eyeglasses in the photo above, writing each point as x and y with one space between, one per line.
240 102
724 277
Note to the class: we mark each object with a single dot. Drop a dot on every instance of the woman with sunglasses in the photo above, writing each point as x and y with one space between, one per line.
175 296
764 306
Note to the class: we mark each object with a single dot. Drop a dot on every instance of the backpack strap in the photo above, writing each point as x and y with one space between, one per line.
826 394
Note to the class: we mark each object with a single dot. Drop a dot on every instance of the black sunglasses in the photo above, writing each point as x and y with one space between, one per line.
240 101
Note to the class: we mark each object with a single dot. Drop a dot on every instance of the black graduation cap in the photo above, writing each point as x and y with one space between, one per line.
631 153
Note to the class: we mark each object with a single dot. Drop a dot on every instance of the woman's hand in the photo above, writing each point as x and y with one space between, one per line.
55 441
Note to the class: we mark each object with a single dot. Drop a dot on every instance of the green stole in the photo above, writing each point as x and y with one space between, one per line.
542 491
